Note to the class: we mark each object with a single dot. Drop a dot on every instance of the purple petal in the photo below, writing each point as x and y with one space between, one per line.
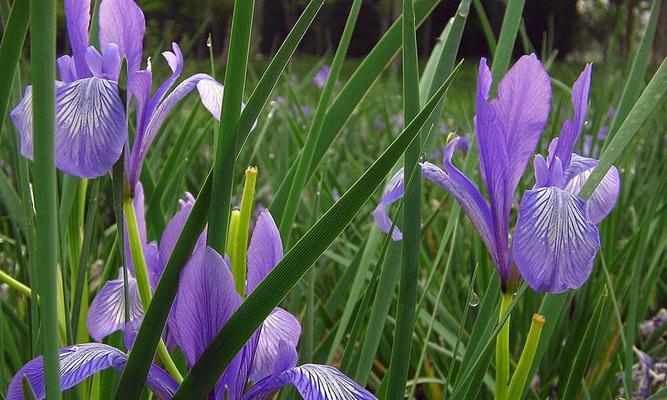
508 129
265 250
106 314
130 331
90 127
605 195
210 93
313 382
279 327
156 119
572 128
77 13
21 116
81 361
464 191
66 69
173 230
392 192
554 242
206 299
122 23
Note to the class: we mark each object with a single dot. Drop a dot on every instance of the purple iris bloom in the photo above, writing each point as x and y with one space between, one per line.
556 237
545 249
320 78
91 126
205 300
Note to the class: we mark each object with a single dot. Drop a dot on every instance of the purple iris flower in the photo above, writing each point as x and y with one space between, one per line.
320 78
556 237
91 127
205 300
545 248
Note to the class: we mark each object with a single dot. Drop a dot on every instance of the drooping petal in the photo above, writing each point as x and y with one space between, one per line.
210 93
106 314
280 326
122 22
77 14
21 116
90 127
572 128
554 241
81 361
393 191
508 129
605 195
464 191
206 299
313 382
265 250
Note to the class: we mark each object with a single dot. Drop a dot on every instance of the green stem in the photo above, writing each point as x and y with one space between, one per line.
503 349
14 284
141 274
527 356
43 54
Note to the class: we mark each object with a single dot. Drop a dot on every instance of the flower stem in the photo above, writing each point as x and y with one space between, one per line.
527 356
14 284
141 273
503 350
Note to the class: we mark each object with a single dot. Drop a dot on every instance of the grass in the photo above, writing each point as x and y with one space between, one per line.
349 301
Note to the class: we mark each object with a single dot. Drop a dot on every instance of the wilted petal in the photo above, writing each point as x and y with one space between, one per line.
81 361
313 382
392 192
280 326
77 15
508 129
572 128
605 195
90 127
106 314
122 23
206 299
464 191
554 241
265 250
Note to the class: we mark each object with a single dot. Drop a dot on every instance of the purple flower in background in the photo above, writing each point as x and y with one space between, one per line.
205 300
320 78
91 126
508 129
556 238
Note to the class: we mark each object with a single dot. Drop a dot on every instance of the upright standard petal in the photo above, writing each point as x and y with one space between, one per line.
508 129
206 299
572 128
90 127
554 242
106 314
77 15
81 361
313 382
605 195
392 192
265 250
278 328
122 22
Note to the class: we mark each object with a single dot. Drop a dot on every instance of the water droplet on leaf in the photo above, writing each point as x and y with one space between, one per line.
474 300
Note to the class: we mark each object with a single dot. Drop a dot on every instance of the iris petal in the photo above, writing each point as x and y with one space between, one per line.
122 22
554 241
81 361
90 127
313 382
210 92
77 13
174 227
605 195
280 326
106 314
265 250
392 192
